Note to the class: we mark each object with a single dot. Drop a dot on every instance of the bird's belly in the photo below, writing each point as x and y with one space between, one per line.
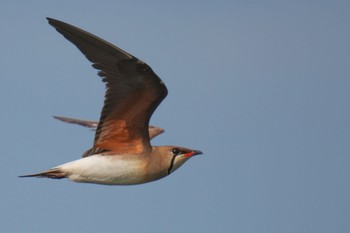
112 170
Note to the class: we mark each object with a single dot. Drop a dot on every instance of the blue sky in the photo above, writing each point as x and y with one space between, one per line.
261 87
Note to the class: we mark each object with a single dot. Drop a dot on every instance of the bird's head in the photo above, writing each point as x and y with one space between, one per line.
175 156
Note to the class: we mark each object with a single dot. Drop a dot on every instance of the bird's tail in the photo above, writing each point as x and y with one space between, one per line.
54 173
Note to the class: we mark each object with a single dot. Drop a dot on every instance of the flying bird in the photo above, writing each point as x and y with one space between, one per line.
122 153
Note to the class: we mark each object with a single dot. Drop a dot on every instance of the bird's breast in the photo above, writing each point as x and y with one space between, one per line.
113 170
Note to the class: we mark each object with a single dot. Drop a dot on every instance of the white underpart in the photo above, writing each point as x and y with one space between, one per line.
178 163
104 170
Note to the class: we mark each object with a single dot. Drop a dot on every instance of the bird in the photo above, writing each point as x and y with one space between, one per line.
121 153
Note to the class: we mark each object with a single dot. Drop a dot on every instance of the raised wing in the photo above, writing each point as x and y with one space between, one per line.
133 92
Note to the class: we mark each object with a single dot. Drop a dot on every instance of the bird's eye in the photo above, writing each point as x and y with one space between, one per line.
176 151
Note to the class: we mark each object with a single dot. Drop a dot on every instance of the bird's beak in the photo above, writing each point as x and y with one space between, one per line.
192 153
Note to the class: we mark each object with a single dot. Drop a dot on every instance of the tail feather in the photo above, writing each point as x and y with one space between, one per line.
54 173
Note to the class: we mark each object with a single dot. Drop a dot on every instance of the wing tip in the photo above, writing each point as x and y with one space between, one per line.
51 20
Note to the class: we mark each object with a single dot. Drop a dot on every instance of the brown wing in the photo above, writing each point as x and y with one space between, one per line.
133 92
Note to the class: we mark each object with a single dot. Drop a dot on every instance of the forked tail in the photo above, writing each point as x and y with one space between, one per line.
54 173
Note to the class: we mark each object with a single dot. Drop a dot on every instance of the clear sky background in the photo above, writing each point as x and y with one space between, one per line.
261 87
